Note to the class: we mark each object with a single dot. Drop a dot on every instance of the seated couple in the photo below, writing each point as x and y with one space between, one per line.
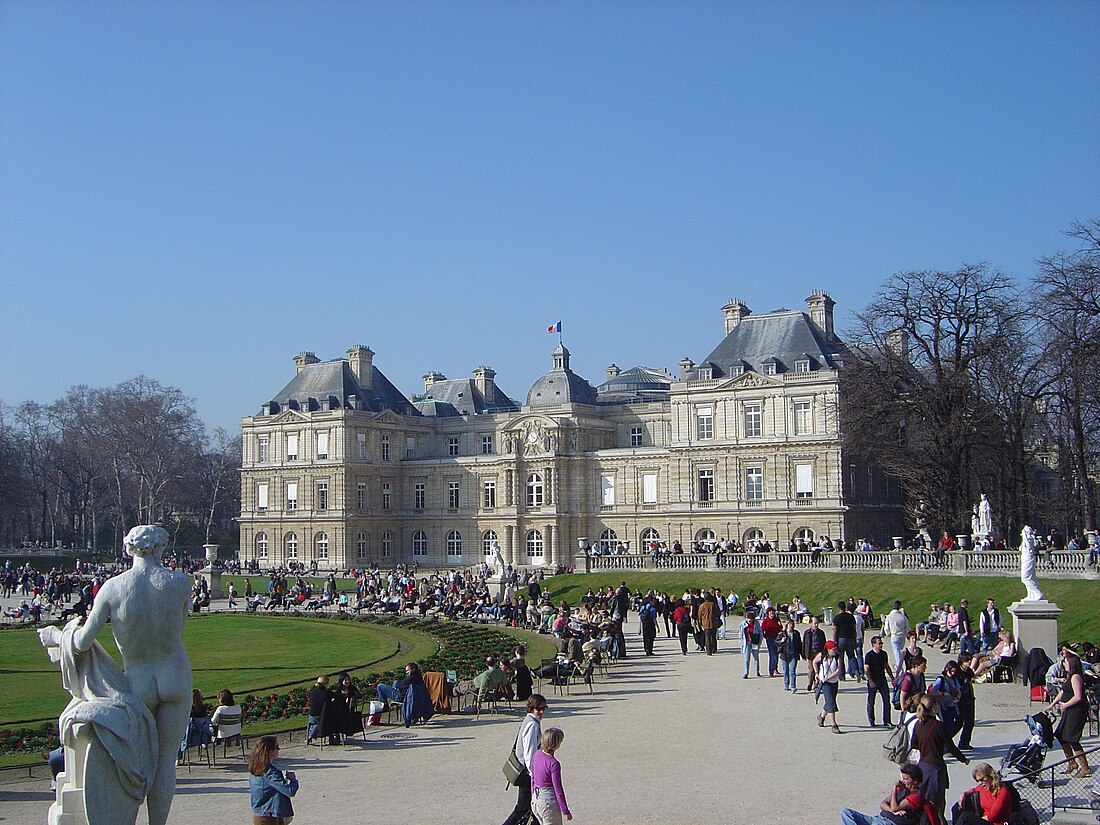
496 678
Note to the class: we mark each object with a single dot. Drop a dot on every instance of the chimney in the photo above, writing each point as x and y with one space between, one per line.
303 359
686 366
821 312
613 371
898 342
484 380
430 378
735 312
361 360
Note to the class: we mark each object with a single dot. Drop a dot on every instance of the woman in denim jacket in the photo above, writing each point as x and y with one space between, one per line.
269 788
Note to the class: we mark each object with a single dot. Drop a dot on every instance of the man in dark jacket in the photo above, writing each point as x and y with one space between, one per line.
844 634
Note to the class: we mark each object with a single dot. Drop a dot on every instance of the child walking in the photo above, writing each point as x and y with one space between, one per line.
547 795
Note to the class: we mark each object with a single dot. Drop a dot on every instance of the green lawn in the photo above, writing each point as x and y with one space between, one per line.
1079 599
245 653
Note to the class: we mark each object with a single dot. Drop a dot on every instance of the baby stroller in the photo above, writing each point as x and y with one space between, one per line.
1027 757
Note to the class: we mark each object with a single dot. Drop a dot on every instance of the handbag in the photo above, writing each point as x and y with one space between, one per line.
513 767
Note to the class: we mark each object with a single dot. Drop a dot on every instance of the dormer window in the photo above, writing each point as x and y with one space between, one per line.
769 368
706 373
737 369
802 365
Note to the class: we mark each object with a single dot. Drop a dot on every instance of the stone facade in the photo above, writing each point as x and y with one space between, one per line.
342 468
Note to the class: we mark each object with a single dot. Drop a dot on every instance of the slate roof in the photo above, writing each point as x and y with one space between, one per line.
642 383
334 383
460 396
784 336
561 385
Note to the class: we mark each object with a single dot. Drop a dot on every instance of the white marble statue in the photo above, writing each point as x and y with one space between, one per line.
138 717
498 558
1029 552
975 525
985 517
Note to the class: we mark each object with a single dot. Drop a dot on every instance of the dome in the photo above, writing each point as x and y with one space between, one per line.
561 385
640 383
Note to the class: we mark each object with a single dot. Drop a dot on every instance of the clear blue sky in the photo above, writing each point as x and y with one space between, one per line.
197 191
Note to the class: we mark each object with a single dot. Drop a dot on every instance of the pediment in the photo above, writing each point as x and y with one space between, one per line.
289 417
751 380
389 417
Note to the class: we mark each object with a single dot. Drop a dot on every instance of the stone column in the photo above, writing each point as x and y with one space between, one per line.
1035 624
510 545
551 553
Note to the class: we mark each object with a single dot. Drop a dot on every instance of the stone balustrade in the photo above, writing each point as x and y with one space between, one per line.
1057 565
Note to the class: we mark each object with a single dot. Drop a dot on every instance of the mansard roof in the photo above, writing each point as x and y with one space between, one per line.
463 397
333 383
781 337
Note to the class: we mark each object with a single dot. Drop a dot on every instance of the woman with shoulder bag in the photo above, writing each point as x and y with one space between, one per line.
790 651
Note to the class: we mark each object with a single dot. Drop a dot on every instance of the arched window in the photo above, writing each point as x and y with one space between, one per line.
454 546
534 547
361 546
387 544
487 543
320 546
420 544
704 535
753 535
648 537
805 534
290 545
261 545
609 542
534 490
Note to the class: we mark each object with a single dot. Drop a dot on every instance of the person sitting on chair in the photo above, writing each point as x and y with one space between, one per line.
497 676
395 694
319 696
1005 649
227 717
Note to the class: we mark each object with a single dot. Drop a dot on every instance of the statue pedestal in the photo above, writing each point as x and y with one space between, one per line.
213 576
497 586
1035 624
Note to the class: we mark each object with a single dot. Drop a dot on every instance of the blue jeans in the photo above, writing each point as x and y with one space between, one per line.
790 668
390 695
773 656
897 644
966 643
989 641
750 651
846 649
313 727
850 817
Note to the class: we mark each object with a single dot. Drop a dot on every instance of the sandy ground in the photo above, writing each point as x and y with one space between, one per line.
666 738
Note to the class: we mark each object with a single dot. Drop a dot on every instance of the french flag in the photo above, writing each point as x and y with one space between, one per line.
554 328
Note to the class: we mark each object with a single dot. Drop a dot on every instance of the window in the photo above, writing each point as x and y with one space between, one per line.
534 547
386 497
292 495
704 536
290 544
802 365
420 544
704 422
803 418
706 486
387 544
292 446
753 420
804 534
754 535
385 448
486 445
452 445
320 546
452 494
649 488
419 494
609 542
534 490
754 484
489 494
322 444
648 537
261 545
803 480
635 436
487 543
261 496
361 495
361 546
769 368
737 369
607 491
410 447
361 445
322 495
454 546
261 451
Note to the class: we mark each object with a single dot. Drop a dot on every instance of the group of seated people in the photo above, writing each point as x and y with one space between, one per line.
334 712
204 727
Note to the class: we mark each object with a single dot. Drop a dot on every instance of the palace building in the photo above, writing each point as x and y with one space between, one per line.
342 468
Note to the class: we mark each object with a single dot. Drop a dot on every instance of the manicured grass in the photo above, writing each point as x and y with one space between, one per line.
1080 622
243 652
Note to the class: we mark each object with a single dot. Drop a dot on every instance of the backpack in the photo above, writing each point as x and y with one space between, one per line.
899 680
897 745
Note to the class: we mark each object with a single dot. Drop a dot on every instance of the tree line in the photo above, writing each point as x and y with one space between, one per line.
968 382
79 472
